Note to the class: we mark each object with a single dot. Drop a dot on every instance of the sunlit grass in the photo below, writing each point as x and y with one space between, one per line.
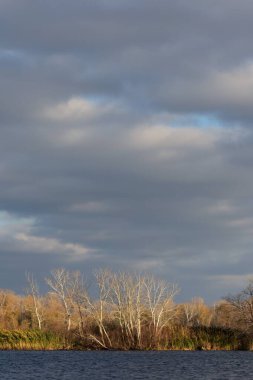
205 338
31 340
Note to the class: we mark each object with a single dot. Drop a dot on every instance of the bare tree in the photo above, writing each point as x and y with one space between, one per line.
159 297
126 294
61 284
196 313
99 310
3 297
242 302
80 299
224 315
138 301
33 290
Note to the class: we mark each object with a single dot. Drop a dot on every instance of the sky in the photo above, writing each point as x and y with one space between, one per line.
126 140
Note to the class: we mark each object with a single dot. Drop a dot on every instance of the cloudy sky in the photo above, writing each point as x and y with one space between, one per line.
126 140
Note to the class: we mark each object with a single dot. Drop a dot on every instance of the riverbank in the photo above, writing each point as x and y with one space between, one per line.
185 339
30 340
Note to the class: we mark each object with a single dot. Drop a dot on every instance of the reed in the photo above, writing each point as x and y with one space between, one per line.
204 338
174 338
31 340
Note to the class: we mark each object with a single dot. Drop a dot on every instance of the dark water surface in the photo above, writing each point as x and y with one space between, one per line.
178 365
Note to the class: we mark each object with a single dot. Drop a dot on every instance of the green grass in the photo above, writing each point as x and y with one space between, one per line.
176 338
31 340
204 338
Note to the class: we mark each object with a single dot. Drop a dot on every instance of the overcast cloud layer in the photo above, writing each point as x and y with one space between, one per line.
126 140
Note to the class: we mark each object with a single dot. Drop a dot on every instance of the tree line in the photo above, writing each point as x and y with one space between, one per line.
126 311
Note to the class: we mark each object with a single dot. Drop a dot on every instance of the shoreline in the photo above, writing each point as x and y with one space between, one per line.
123 350
198 339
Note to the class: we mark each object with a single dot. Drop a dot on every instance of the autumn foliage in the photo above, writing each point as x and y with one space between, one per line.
123 311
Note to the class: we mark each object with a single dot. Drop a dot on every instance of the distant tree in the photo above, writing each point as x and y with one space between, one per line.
3 297
225 315
126 293
99 310
61 284
242 303
37 308
12 313
195 313
159 301
140 305
79 299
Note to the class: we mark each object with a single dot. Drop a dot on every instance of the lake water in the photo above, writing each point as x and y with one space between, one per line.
101 365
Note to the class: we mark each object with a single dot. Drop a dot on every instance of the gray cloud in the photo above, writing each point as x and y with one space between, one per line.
125 139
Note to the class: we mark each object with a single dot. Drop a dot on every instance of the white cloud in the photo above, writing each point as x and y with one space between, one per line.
221 207
10 224
159 136
167 142
227 88
235 86
77 109
51 245
17 234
